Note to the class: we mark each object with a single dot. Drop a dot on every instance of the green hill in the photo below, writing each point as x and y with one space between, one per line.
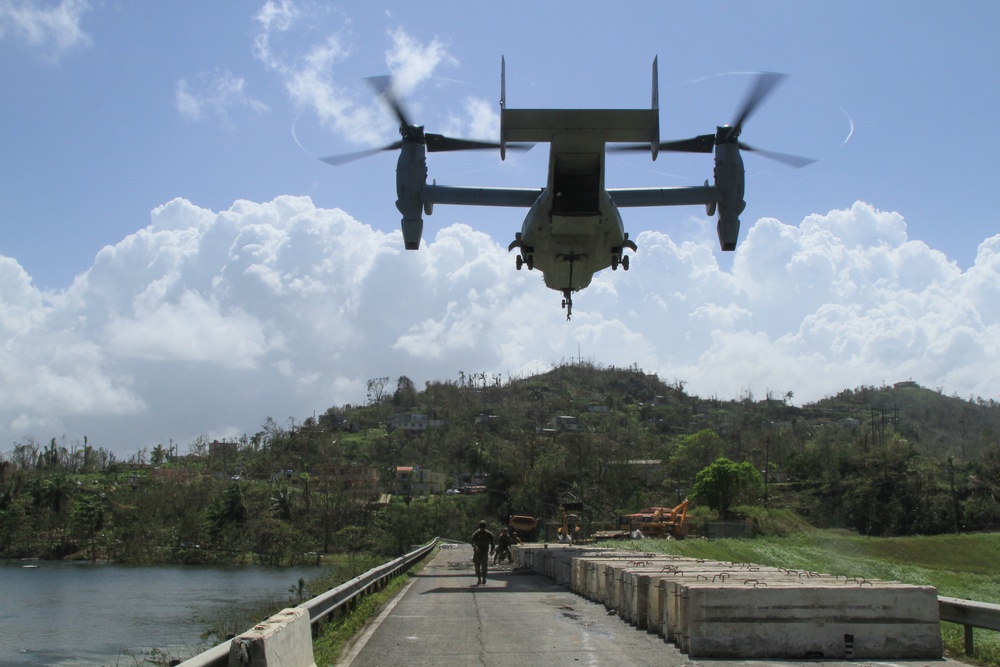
888 461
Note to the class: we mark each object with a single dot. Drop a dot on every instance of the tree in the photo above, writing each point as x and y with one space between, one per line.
281 503
159 455
88 515
725 483
405 395
55 491
694 452
376 390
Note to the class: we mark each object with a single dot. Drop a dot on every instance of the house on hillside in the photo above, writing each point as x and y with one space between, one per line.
222 450
470 483
415 481
487 421
352 477
561 424
413 422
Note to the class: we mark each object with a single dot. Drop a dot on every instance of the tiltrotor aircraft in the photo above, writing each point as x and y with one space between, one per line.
573 228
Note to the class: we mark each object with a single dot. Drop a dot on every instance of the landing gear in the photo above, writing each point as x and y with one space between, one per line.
619 260
618 256
567 303
526 256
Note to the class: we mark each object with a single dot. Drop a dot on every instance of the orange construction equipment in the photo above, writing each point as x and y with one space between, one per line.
660 521
525 527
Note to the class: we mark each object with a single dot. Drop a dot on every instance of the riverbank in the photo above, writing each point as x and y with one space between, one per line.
72 614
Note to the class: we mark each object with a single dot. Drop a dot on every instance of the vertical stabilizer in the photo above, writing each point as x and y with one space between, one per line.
503 105
654 141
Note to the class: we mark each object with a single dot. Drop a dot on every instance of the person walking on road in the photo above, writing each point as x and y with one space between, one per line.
503 548
482 546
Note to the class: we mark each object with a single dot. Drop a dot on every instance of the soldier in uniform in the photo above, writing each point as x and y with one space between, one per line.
482 546
503 548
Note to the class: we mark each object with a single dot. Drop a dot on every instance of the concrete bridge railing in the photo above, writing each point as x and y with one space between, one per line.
286 637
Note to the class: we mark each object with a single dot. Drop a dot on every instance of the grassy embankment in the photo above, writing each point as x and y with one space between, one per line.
335 635
962 566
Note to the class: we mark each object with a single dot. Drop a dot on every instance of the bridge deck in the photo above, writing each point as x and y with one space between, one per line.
443 620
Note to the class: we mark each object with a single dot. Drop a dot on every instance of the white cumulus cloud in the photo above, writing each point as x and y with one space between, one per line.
52 28
207 322
214 94
309 70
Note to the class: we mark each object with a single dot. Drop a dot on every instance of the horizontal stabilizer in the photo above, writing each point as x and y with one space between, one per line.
614 125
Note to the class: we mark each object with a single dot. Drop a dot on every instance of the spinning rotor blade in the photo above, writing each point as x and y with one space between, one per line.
382 85
763 86
435 143
766 81
438 143
344 158
701 144
705 143
791 160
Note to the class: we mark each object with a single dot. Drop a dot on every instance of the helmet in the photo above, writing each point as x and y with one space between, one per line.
559 530
482 524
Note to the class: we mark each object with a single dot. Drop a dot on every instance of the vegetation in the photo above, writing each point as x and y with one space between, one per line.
724 483
334 635
888 461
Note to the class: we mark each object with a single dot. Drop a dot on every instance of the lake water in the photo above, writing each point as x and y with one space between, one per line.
89 615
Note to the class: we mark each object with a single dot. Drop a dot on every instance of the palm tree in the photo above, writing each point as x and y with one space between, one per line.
281 503
55 491
159 455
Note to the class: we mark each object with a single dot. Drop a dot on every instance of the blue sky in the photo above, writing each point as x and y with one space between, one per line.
142 145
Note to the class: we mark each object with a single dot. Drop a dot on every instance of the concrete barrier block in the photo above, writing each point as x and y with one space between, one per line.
887 621
284 640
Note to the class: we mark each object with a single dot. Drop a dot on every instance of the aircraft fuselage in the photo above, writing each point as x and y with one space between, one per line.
574 229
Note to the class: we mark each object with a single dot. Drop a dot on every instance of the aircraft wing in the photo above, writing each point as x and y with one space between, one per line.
473 196
679 196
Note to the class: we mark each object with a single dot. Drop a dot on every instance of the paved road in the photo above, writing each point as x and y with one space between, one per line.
443 620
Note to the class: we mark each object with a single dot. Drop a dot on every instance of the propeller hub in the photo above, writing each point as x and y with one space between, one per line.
726 134
412 133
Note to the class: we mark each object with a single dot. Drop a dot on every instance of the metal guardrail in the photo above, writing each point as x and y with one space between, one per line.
970 614
323 605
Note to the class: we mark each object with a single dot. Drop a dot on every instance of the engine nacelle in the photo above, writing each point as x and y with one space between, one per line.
411 176
730 181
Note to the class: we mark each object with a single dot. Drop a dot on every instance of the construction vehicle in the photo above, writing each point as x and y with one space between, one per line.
650 522
571 520
660 521
525 527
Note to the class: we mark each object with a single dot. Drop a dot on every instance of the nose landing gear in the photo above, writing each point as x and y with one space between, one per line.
567 303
